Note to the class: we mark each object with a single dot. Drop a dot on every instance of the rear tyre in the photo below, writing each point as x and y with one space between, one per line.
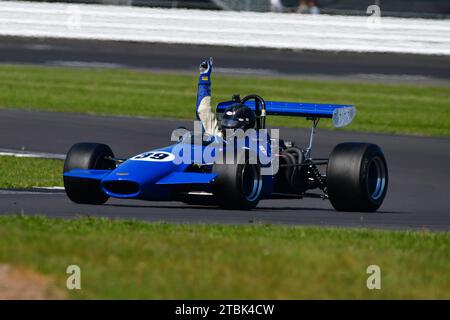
238 186
357 177
87 156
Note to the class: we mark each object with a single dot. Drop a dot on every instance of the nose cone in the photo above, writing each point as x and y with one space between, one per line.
137 178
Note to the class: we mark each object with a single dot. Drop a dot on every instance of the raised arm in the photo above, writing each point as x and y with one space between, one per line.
204 112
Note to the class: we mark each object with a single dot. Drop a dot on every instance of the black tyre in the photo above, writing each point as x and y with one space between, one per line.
238 186
357 177
87 156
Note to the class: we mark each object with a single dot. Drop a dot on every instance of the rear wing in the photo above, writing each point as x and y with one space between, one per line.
341 115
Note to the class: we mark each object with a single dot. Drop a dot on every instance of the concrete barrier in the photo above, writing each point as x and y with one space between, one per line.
272 30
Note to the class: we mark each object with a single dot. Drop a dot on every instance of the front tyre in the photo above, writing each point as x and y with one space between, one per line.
357 177
87 156
238 185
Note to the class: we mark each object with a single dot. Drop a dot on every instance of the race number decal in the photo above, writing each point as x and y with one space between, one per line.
158 156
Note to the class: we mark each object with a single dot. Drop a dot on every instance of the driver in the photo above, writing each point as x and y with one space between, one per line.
236 116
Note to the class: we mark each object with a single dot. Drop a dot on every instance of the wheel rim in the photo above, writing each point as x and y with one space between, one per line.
251 182
102 163
376 178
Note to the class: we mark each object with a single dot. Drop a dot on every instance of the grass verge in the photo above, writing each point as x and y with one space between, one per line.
389 108
30 172
127 259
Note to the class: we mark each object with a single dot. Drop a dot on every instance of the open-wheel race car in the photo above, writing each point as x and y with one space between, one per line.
353 178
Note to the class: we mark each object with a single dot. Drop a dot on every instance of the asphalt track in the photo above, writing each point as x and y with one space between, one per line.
244 61
418 167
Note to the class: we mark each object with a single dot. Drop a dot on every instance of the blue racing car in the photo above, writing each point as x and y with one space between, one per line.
232 160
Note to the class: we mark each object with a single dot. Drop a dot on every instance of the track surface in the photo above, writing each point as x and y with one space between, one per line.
418 167
114 54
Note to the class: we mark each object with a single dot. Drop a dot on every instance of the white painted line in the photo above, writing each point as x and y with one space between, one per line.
30 154
392 77
48 188
241 29
85 64
246 71
200 193
26 192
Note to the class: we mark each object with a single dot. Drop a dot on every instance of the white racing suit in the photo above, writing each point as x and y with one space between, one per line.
204 112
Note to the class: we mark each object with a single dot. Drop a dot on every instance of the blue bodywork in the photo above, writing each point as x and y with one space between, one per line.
157 179
341 115
156 175
296 109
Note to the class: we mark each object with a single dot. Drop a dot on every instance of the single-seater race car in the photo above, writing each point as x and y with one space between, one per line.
353 178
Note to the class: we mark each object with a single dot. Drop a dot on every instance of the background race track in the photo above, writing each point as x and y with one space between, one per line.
397 67
418 168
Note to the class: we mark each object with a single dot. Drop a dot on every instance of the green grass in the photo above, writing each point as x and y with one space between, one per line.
29 172
406 109
127 259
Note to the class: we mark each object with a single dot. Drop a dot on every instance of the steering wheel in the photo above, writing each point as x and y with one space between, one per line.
260 113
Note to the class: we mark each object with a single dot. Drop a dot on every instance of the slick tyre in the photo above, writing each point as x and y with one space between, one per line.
357 177
87 156
238 186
